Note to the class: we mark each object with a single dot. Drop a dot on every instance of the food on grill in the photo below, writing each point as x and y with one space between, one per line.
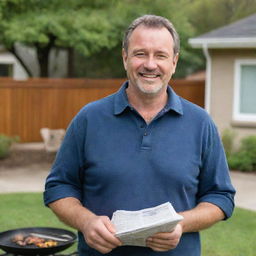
46 244
33 240
19 239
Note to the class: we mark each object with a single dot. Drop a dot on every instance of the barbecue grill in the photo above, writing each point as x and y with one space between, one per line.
71 254
65 239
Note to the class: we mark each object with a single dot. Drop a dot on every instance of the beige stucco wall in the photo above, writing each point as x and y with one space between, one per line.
222 89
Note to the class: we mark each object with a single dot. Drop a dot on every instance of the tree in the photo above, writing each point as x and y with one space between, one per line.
108 62
206 15
85 26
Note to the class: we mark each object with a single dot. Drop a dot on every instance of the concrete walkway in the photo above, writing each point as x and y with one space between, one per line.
245 185
31 179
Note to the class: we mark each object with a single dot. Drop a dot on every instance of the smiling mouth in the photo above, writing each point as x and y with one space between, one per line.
149 75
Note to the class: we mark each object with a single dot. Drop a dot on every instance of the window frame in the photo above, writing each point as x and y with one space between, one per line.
10 67
237 115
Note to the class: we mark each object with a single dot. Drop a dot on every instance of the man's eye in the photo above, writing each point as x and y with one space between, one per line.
139 54
161 56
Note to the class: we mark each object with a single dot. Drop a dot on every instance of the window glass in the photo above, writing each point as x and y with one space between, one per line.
6 70
248 89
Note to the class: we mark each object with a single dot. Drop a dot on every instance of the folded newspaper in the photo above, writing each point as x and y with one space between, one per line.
134 227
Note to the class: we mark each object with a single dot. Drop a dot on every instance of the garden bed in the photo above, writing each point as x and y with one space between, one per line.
27 154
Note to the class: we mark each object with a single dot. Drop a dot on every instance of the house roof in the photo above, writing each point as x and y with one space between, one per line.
240 34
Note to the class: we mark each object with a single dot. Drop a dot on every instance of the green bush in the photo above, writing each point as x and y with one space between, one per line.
245 158
228 141
5 144
240 161
248 145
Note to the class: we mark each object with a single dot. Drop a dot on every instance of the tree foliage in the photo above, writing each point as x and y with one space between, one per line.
93 29
129 10
206 15
85 26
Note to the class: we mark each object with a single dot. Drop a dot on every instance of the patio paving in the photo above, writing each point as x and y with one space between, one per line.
245 184
23 179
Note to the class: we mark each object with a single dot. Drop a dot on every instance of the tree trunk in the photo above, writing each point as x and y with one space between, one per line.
70 62
43 52
43 57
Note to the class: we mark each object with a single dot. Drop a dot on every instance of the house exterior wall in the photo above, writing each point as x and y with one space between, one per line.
58 63
222 90
18 71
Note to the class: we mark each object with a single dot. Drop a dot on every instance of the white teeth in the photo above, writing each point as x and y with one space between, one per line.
150 76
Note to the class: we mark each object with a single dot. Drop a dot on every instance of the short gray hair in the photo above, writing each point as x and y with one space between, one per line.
152 21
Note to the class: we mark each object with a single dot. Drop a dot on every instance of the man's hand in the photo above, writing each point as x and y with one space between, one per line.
98 231
165 241
99 234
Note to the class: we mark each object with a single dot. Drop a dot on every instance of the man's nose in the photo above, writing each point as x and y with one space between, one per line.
150 63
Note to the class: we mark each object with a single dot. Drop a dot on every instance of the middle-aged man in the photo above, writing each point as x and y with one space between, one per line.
138 148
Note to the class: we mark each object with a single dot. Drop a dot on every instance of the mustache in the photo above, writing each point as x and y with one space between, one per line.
150 72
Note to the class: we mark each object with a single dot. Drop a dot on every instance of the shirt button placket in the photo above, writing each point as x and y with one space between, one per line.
146 140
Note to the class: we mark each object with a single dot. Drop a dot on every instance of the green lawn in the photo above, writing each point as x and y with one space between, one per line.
235 237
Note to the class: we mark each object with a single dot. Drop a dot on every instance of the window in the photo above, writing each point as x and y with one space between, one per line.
6 70
245 91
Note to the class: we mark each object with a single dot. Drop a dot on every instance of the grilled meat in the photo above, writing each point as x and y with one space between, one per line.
22 240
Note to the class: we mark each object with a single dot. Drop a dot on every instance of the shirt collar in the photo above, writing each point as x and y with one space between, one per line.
121 101
174 102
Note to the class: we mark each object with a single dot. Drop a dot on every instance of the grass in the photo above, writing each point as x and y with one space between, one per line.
235 237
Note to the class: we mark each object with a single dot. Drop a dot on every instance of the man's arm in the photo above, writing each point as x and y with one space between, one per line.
202 216
98 231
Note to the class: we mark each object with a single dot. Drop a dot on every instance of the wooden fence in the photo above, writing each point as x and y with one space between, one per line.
27 106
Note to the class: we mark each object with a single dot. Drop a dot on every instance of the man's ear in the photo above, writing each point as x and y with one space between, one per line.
124 55
175 61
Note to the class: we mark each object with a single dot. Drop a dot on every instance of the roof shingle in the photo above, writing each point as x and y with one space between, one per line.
242 28
240 34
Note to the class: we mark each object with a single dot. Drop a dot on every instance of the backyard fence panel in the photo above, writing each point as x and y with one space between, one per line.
27 106
191 90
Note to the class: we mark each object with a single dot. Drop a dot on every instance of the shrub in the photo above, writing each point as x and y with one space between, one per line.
248 145
228 141
245 158
5 144
240 161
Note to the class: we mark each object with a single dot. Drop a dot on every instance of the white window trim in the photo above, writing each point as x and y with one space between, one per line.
237 116
18 72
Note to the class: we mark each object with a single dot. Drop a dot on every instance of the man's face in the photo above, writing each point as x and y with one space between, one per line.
150 61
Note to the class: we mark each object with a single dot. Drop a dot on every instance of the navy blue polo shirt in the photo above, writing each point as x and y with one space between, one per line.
112 159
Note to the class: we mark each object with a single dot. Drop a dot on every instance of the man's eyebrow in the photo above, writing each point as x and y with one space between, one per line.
162 52
139 50
145 50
